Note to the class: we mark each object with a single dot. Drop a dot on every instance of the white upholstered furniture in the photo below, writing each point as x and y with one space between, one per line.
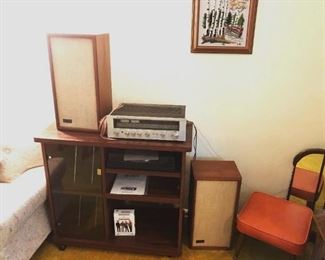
24 223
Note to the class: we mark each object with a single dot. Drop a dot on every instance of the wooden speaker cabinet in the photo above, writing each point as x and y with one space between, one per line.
81 80
215 188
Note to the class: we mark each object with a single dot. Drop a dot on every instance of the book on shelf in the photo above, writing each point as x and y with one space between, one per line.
124 222
129 184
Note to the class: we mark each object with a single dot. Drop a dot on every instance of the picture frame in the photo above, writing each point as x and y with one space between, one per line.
223 26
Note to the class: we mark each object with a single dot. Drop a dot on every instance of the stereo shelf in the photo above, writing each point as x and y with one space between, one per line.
159 189
176 174
156 229
80 172
146 198
78 192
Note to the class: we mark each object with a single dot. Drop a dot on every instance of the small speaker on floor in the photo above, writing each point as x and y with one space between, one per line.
215 187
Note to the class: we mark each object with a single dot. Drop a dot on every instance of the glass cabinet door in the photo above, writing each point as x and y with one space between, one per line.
76 190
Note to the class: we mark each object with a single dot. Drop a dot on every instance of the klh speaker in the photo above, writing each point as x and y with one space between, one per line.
81 80
215 187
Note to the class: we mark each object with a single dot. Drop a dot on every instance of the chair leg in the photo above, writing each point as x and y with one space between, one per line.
288 194
311 204
312 236
239 245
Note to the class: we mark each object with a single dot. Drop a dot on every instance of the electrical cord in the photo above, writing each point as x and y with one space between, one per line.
103 129
207 144
195 141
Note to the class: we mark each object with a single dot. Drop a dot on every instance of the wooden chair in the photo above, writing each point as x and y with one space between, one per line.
275 221
307 176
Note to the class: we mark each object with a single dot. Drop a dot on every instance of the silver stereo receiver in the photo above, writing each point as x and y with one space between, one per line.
148 122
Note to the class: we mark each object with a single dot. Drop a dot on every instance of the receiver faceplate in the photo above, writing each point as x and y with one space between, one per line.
147 121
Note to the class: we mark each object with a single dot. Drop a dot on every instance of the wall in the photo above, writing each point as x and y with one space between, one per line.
258 109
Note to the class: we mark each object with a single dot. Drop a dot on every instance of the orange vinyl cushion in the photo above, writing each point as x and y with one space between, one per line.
304 184
281 223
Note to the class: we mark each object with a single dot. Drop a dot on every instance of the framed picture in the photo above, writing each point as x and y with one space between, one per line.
223 26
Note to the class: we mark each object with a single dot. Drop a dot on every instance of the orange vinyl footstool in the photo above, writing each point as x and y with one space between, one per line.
275 221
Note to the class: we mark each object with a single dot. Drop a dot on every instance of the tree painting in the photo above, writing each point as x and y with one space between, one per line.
223 22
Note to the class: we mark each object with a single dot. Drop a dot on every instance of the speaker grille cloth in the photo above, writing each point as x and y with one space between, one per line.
214 210
73 66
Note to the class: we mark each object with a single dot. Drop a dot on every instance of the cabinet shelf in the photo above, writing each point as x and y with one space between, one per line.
78 192
156 228
133 159
146 198
159 190
136 245
143 172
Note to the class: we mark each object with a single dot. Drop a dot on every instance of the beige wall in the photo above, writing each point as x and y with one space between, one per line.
258 109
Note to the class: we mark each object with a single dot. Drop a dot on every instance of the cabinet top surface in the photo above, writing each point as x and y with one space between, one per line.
215 170
53 135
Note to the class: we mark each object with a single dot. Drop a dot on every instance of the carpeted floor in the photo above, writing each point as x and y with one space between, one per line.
252 250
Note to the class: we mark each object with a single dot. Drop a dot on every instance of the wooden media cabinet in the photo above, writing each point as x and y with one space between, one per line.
80 171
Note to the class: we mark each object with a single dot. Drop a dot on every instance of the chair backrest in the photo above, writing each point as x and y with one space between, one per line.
313 160
316 159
